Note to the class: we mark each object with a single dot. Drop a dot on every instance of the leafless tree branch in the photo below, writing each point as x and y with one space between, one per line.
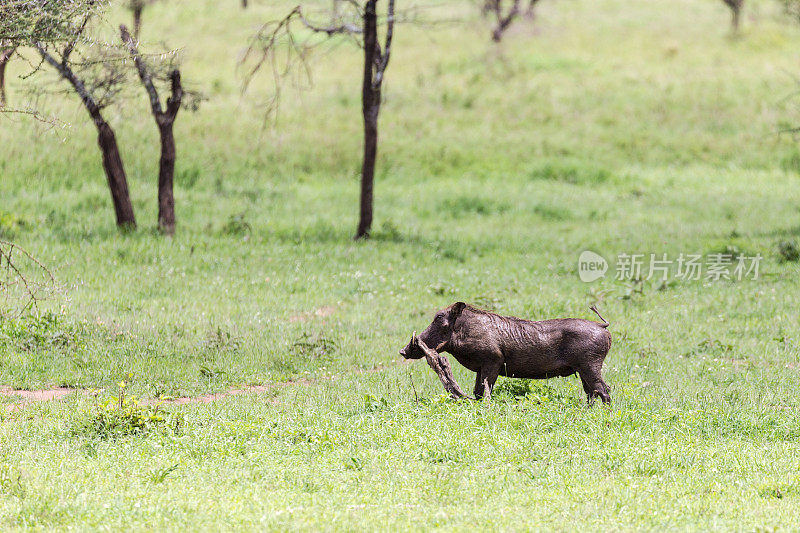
24 280
387 48
144 73
504 20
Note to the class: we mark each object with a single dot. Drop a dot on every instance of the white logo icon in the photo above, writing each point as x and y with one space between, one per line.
591 266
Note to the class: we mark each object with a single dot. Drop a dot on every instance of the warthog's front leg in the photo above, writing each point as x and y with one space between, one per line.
488 376
478 390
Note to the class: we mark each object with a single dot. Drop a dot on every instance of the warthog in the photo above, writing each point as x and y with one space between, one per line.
492 345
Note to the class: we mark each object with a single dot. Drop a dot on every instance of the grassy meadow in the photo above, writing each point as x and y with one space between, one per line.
605 125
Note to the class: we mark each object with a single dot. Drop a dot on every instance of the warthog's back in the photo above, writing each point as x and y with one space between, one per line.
546 348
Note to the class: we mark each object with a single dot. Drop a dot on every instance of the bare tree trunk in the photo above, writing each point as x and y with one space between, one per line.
368 172
107 141
370 107
138 7
166 164
115 174
736 10
5 55
244 4
166 173
165 120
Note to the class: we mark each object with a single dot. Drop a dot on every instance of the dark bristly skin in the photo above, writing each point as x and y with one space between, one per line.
492 345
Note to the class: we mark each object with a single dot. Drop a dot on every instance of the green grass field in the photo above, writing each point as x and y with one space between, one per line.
604 125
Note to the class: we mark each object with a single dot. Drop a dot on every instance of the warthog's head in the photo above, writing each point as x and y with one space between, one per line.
437 335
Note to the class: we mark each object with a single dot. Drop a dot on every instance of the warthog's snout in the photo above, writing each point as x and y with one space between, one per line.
410 351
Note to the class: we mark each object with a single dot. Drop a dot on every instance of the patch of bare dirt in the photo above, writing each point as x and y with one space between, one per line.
261 389
37 395
250 389
29 396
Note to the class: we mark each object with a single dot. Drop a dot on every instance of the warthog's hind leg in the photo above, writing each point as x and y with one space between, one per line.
594 386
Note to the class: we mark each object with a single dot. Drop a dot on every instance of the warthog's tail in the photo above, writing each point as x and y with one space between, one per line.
605 323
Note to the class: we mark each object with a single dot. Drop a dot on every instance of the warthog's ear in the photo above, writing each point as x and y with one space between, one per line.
456 309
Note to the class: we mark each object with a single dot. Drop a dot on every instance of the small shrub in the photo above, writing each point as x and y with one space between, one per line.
575 174
372 403
186 178
237 225
388 232
532 390
515 388
789 251
732 250
710 347
10 223
548 212
777 491
450 250
122 416
219 340
647 468
31 333
441 289
791 162
314 346
472 205
716 349
159 475
211 373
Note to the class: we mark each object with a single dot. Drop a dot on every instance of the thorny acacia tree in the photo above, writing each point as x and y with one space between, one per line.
97 79
165 119
376 60
24 22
